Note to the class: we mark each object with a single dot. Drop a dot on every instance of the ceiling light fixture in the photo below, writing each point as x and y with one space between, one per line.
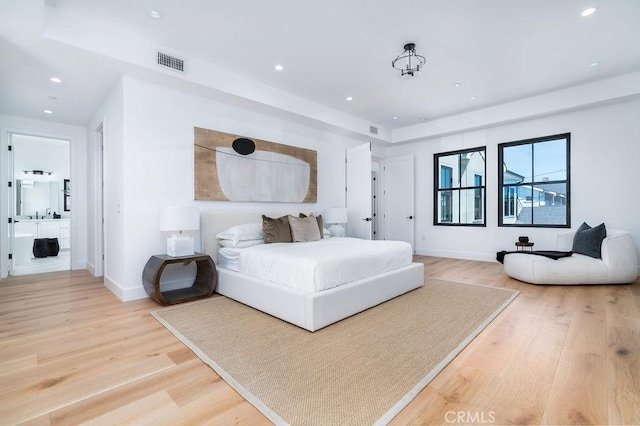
395 117
349 98
594 64
588 11
154 14
409 62
48 111
279 67
457 85
55 80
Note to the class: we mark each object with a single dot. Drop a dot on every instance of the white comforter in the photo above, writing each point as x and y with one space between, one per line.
323 264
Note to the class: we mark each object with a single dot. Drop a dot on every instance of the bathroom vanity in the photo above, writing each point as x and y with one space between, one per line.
26 230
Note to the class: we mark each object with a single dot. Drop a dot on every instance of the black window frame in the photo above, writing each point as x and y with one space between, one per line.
502 186
437 189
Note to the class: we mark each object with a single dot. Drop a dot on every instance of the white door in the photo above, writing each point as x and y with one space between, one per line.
399 198
359 191
11 204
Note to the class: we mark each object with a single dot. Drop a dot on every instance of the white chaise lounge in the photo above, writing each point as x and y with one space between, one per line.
618 265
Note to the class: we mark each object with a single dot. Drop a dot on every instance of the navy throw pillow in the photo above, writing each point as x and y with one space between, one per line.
588 240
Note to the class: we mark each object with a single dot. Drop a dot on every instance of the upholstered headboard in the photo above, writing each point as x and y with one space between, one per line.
216 221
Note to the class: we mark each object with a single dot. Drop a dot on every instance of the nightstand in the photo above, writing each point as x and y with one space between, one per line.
203 285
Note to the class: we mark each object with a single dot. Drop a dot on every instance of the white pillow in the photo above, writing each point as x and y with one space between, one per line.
240 244
248 231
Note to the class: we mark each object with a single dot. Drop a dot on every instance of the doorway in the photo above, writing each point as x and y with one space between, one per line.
39 204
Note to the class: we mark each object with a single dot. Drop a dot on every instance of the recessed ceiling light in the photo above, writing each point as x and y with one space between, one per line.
594 64
473 98
48 111
154 14
52 98
395 117
588 11
349 98
55 80
279 67
457 85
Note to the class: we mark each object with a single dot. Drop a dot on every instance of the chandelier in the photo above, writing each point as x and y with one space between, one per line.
409 62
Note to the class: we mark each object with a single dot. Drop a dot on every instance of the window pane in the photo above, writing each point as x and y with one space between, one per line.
550 161
445 207
471 165
517 163
448 166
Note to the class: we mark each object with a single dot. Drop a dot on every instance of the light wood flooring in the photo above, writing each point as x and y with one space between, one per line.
71 352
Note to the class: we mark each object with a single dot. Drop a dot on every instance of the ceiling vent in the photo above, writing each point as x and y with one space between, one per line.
170 61
373 129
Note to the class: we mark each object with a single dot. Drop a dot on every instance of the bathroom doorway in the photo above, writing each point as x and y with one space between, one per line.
40 214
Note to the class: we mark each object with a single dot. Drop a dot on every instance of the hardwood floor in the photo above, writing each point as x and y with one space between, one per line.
71 352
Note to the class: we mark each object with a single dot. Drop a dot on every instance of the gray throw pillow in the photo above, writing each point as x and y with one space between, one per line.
276 230
304 229
588 240
318 219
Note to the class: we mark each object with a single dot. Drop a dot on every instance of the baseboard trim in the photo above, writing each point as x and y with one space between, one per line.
482 257
125 294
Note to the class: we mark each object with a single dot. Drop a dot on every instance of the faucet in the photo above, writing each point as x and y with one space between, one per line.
48 212
36 214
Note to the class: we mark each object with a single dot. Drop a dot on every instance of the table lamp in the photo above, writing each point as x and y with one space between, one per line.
336 217
179 219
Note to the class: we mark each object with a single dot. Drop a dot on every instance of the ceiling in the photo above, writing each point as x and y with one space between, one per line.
497 51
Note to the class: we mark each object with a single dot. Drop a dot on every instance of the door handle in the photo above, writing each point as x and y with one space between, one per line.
409 217
368 219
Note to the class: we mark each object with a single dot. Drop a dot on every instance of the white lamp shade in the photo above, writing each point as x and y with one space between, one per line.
335 215
179 218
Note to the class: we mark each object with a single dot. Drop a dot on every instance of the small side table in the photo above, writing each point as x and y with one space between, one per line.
203 285
521 246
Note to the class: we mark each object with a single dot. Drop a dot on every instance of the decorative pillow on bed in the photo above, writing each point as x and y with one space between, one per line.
319 220
588 240
240 244
276 230
249 231
304 229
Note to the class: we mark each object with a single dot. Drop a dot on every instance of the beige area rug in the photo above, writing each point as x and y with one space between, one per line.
362 370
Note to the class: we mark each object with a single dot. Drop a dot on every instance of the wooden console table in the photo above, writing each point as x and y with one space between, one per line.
203 285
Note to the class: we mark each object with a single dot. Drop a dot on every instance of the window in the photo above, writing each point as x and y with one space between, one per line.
459 193
533 182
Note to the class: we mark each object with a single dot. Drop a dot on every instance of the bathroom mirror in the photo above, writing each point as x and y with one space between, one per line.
39 198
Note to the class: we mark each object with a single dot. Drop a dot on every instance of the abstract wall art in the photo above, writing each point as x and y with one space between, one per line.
239 168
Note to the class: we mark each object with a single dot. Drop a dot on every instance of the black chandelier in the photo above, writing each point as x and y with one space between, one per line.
409 62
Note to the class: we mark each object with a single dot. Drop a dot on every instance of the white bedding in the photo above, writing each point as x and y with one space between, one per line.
229 258
323 264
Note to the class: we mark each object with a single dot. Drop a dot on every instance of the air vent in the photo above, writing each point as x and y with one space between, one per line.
170 61
373 129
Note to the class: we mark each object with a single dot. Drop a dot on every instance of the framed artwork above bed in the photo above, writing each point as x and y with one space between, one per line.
231 167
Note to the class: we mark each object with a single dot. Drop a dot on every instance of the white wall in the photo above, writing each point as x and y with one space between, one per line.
605 148
77 137
149 164
111 116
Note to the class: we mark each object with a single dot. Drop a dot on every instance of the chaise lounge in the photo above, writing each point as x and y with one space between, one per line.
618 263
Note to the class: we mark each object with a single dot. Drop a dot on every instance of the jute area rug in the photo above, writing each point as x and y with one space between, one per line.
362 370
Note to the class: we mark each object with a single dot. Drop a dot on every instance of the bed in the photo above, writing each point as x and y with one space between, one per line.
308 307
